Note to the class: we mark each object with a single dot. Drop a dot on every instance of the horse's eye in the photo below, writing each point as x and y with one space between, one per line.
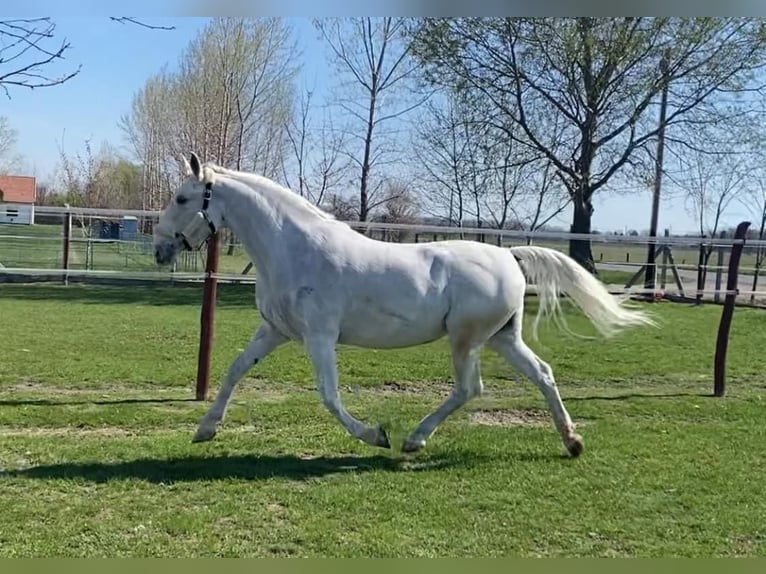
180 200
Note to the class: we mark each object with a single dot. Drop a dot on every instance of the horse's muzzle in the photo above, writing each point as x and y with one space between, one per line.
165 252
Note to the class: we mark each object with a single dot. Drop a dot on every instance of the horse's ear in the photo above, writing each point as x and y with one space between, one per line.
196 166
186 167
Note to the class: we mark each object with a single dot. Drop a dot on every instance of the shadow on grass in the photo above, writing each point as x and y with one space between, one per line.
68 403
229 295
629 396
253 467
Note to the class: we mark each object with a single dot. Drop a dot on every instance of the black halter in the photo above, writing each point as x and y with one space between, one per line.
205 204
207 196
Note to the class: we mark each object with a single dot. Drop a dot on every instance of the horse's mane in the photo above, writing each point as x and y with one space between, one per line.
264 184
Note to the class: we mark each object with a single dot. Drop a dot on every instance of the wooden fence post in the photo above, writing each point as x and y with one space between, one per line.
722 342
207 318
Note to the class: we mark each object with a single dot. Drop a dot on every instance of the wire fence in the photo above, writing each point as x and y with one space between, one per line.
116 245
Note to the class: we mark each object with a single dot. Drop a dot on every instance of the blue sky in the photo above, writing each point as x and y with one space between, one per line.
116 61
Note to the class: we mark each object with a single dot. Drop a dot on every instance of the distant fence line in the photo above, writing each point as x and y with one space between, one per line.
688 241
53 252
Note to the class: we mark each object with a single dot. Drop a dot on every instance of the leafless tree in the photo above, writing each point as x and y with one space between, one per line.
711 179
471 168
374 61
754 200
344 209
9 159
30 51
151 128
228 100
600 78
317 165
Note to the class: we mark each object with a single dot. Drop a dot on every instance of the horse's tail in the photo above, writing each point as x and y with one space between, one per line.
554 273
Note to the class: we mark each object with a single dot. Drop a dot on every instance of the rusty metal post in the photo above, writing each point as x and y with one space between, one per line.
207 318
719 372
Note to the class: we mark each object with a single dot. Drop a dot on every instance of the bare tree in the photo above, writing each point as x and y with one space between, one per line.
228 100
600 79
151 128
374 60
100 179
754 200
443 137
549 198
317 165
710 180
472 168
399 206
340 207
29 50
9 159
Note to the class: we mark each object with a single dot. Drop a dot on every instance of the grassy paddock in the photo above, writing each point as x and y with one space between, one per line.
96 418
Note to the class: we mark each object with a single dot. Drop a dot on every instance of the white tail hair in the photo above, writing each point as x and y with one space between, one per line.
555 273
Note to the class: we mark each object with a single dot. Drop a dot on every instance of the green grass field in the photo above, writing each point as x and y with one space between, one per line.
96 417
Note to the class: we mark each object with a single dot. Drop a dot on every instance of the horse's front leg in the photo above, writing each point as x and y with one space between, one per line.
321 351
264 341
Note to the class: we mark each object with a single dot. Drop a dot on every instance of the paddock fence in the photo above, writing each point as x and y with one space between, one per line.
111 246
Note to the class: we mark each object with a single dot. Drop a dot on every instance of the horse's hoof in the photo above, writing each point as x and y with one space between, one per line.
411 446
375 436
204 434
575 446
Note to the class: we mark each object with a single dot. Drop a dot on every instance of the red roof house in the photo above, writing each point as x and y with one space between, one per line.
17 189
17 199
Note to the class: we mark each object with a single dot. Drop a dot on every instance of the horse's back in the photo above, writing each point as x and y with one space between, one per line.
404 294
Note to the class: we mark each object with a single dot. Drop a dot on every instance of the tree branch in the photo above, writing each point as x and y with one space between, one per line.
137 22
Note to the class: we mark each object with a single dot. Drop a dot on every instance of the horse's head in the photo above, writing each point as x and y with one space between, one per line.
190 218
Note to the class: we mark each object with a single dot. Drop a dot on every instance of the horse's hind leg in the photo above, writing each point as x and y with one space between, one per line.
468 384
264 341
509 344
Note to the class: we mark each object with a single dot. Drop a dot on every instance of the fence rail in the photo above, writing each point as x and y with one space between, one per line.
689 267
449 230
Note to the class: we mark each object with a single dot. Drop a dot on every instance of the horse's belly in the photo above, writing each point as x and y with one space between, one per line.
392 328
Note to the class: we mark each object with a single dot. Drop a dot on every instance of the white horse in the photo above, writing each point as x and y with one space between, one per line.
321 283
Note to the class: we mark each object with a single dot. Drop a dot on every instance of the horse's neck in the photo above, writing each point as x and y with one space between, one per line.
260 224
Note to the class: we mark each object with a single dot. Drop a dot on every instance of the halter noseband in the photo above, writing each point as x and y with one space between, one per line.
201 226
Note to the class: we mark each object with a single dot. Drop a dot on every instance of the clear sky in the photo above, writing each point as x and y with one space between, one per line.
116 61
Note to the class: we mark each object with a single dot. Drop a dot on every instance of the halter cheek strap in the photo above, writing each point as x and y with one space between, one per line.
205 204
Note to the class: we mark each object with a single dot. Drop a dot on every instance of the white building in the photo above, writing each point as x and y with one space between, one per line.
17 199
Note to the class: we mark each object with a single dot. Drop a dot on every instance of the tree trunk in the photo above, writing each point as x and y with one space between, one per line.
580 249
363 195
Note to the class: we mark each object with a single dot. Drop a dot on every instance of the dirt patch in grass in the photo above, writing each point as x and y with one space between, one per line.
513 418
105 431
263 390
509 417
99 390
397 388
